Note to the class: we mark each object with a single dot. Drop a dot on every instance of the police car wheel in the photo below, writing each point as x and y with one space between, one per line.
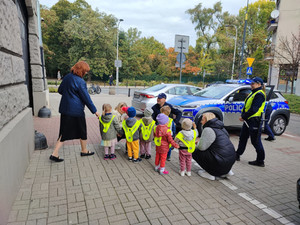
278 125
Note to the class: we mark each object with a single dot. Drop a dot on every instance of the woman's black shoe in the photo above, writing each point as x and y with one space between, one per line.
55 159
270 139
86 153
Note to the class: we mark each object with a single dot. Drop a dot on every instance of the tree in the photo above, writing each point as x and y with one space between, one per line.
288 56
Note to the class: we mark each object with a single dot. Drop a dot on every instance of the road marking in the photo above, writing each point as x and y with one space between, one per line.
289 135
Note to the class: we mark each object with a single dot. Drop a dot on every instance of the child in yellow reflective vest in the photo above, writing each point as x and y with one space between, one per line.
146 135
186 139
132 127
171 126
109 127
163 138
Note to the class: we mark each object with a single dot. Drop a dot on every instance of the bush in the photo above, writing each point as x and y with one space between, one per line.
53 89
53 82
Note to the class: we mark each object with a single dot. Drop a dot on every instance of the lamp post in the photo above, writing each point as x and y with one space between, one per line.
117 60
232 71
244 36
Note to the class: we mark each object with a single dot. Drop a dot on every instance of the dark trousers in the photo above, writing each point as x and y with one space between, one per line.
254 131
268 130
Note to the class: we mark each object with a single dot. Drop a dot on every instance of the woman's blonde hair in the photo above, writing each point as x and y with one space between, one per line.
119 106
209 116
165 110
106 108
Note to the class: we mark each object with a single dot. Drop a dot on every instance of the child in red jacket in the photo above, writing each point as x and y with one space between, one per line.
162 139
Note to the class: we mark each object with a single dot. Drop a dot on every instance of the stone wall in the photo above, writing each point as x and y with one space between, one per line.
16 120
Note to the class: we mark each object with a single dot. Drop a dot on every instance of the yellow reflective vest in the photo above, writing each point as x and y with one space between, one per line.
146 130
157 140
248 103
129 131
106 125
191 145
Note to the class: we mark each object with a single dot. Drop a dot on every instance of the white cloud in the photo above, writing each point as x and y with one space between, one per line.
159 18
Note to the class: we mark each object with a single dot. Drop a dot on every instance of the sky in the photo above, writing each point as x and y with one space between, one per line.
162 19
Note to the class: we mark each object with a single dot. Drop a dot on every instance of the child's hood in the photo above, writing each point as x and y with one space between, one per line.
161 130
131 121
147 120
106 118
188 134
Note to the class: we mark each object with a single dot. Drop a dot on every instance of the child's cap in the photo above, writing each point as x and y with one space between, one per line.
148 112
162 119
131 112
187 124
124 109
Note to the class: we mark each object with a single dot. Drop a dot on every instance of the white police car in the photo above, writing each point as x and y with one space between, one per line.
226 101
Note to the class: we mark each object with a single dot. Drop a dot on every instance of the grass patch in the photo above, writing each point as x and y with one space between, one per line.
294 102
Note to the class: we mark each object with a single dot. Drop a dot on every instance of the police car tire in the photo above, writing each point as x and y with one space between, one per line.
278 125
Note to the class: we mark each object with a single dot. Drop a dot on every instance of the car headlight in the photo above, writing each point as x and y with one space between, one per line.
188 113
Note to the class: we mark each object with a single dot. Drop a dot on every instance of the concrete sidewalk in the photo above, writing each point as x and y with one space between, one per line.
90 190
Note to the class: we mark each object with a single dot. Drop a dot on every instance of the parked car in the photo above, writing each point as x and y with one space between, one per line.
226 101
147 97
214 83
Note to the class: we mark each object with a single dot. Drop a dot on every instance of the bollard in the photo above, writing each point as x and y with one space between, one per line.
128 92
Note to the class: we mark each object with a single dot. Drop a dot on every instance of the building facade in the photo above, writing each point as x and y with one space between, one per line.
23 91
284 23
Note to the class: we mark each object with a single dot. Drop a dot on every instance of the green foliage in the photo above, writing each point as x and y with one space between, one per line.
294 102
53 89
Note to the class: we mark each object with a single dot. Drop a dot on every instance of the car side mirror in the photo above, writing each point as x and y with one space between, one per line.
230 99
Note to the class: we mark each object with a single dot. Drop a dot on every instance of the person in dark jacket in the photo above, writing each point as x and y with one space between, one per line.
161 101
252 122
214 152
72 120
268 130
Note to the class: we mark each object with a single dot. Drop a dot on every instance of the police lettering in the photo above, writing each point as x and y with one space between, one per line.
234 107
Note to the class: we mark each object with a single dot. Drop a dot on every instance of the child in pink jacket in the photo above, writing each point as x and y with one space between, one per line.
162 139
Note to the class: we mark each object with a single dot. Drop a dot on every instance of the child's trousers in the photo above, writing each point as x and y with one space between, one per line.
145 147
160 159
185 160
133 147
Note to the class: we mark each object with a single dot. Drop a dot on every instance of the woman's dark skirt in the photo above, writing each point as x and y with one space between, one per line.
72 128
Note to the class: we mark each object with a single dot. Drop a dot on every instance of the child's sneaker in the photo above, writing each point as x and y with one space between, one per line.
106 157
165 172
156 169
182 173
113 156
137 160
189 173
142 156
148 156
130 158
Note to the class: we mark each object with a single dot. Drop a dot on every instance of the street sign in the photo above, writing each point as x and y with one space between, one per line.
183 58
250 61
118 63
177 65
181 43
249 70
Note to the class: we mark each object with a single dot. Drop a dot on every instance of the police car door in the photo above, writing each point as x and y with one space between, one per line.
234 105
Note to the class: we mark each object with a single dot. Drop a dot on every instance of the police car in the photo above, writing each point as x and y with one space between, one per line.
226 101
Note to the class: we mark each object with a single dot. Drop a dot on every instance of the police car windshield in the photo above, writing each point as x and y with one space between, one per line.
217 91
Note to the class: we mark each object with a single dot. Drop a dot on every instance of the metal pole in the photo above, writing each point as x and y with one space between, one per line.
244 36
181 60
234 52
117 66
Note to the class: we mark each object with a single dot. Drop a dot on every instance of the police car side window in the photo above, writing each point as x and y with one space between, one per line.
241 95
171 91
273 96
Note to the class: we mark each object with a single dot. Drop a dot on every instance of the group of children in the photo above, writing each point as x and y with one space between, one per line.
139 135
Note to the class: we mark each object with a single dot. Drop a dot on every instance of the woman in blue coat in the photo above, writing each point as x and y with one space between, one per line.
72 120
